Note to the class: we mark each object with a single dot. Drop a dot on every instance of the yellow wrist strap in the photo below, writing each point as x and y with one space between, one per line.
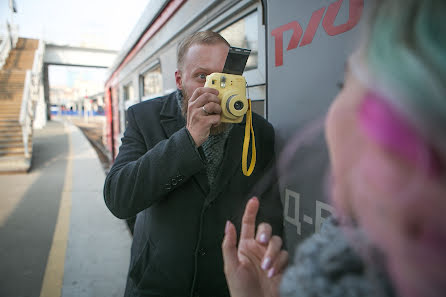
248 127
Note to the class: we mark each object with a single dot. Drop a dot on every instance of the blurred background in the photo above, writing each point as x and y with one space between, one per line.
74 24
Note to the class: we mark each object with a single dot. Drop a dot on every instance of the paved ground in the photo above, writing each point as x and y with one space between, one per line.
57 237
93 129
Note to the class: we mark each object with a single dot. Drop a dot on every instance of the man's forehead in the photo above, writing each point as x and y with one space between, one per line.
203 69
204 56
204 47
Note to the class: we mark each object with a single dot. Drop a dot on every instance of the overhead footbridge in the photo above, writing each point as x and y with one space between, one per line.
24 91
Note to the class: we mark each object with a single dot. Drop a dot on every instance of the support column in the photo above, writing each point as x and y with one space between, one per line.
46 90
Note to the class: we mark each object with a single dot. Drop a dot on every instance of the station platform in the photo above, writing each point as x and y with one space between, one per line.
57 237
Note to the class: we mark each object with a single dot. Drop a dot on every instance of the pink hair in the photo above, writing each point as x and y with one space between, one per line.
384 125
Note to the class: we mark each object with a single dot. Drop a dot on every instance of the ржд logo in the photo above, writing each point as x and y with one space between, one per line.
355 12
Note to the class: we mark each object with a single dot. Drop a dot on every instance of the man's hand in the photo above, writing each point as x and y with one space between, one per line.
203 112
256 267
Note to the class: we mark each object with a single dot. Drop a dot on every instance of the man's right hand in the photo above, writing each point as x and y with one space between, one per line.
203 112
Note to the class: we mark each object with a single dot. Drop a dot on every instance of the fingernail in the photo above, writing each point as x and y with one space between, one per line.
263 238
271 273
226 227
266 263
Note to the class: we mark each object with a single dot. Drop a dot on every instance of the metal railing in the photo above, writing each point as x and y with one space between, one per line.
26 113
8 42
30 96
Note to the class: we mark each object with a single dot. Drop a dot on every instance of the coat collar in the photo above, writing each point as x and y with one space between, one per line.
170 115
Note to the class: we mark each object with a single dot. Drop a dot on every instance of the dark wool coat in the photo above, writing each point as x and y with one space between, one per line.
160 176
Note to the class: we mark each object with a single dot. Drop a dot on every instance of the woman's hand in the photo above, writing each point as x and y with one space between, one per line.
256 267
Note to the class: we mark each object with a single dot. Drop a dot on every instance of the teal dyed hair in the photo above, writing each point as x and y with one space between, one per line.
406 52
405 57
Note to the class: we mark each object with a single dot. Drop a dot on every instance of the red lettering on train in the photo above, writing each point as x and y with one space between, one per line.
312 27
355 13
278 36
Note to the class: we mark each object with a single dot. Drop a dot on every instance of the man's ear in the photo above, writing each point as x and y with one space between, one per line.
178 79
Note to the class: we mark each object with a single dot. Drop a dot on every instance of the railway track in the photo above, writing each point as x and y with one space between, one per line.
93 131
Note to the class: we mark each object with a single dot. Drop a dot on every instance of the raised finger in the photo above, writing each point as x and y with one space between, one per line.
279 265
229 249
249 219
272 252
264 232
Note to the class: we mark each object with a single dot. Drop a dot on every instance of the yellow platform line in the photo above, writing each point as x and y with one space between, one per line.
54 271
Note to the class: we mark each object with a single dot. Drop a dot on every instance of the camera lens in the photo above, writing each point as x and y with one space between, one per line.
238 105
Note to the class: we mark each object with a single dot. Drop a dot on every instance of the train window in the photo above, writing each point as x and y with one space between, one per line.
152 81
129 93
129 99
244 33
247 31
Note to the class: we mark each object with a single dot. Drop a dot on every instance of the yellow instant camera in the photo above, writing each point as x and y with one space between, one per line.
231 86
232 93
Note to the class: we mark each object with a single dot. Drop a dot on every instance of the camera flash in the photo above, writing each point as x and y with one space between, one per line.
223 81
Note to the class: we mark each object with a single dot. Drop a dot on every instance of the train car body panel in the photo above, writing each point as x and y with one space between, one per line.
308 45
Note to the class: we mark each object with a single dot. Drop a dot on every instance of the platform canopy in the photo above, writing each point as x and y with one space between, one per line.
78 56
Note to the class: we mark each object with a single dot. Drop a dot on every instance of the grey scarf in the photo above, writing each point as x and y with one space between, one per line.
327 265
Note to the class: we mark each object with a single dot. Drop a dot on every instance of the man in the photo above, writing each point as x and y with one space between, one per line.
179 170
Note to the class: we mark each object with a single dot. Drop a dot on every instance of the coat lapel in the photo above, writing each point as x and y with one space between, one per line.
170 126
170 116
202 180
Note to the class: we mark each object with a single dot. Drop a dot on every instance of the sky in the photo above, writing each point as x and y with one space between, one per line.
91 23
98 23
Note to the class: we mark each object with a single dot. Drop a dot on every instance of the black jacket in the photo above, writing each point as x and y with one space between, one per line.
160 176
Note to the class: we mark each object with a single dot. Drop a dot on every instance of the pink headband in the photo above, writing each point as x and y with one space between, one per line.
382 123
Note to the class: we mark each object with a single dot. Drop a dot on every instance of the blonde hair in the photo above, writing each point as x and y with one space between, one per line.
203 37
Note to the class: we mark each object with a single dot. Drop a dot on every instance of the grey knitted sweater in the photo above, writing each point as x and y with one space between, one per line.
328 265
213 149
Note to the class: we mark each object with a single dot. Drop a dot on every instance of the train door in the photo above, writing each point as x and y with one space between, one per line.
110 123
308 43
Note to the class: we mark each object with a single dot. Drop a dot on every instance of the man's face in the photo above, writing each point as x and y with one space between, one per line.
199 61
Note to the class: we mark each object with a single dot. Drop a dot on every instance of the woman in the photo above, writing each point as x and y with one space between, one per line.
386 133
